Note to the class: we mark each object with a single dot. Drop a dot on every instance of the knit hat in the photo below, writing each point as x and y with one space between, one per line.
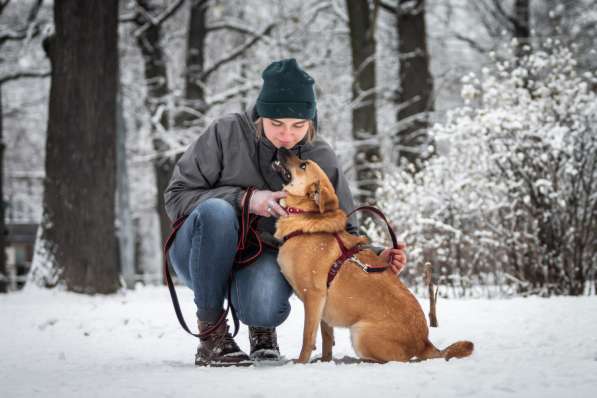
287 92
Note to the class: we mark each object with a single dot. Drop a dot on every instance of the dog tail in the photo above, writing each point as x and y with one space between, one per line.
459 349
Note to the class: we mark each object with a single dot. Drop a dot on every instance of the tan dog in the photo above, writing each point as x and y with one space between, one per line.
385 319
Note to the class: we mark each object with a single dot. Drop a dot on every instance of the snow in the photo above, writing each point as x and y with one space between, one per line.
61 344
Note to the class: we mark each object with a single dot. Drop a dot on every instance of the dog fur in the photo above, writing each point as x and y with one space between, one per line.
385 319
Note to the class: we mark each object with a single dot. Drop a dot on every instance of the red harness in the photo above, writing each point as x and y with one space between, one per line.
345 253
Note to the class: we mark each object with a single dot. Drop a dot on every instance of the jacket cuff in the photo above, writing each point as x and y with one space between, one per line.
237 197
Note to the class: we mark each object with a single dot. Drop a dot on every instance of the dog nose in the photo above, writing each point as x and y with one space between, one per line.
284 155
282 171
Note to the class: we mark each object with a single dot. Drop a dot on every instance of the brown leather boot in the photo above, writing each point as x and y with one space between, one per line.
264 344
219 348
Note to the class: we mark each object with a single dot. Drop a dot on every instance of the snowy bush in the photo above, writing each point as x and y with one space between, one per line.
510 199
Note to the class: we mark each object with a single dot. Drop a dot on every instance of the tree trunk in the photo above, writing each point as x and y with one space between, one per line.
522 31
124 230
243 98
77 243
3 230
416 83
156 78
367 156
194 94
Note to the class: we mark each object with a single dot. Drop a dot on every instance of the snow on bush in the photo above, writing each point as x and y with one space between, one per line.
510 199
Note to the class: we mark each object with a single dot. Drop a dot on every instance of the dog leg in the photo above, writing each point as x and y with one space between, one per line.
314 303
327 337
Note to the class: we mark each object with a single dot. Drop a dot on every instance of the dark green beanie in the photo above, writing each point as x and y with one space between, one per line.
287 92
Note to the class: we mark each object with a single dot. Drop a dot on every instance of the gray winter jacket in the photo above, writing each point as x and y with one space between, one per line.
227 158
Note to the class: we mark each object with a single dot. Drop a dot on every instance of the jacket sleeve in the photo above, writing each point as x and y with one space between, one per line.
195 177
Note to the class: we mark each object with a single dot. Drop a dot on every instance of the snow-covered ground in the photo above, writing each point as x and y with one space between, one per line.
59 344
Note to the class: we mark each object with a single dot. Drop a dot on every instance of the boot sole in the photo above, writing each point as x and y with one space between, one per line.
265 355
214 364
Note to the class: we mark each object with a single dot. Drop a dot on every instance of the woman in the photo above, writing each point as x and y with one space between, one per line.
209 185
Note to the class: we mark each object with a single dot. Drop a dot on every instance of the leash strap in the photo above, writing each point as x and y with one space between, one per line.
175 227
380 214
247 228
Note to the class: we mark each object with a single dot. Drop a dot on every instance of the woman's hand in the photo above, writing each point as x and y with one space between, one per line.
265 203
395 257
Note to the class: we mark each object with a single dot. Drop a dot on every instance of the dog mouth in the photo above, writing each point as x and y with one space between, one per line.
282 171
279 165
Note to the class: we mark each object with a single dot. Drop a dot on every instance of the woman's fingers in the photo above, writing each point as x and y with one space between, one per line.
265 203
397 258
279 195
275 209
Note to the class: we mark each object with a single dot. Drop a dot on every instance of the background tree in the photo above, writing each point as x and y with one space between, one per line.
414 101
362 19
149 18
21 33
77 245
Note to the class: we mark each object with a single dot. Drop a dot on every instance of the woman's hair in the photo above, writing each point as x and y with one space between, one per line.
310 131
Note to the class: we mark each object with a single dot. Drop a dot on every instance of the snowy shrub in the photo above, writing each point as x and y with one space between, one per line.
510 199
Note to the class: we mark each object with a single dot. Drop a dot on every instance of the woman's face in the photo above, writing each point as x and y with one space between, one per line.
285 132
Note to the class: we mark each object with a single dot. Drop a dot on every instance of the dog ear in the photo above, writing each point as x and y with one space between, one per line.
314 192
323 196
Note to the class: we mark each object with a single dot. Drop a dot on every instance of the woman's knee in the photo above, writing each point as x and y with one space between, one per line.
265 306
268 316
216 215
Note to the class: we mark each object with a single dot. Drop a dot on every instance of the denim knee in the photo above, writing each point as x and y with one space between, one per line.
216 216
269 317
265 305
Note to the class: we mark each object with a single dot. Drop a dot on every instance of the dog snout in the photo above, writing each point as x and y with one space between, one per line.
282 171
284 156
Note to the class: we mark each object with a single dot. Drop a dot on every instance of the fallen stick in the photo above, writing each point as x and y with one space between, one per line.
432 295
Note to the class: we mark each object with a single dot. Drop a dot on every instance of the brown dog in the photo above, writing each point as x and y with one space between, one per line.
385 319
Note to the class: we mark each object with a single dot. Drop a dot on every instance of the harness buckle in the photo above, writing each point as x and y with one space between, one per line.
358 262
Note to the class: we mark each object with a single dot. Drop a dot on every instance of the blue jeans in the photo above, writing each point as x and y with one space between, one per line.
202 256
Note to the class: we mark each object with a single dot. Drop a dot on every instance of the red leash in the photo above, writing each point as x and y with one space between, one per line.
175 227
246 228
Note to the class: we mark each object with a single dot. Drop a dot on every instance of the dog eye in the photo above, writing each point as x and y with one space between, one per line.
303 165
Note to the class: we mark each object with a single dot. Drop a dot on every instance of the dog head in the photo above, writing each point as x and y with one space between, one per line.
307 185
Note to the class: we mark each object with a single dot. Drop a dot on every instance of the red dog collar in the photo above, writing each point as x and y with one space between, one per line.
294 210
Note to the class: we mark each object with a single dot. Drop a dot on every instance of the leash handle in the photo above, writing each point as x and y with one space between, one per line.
380 214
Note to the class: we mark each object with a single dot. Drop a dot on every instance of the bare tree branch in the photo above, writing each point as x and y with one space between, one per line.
126 18
315 10
3 5
32 16
28 31
155 21
236 53
23 75
230 25
509 18
371 33
472 43
490 27
389 8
